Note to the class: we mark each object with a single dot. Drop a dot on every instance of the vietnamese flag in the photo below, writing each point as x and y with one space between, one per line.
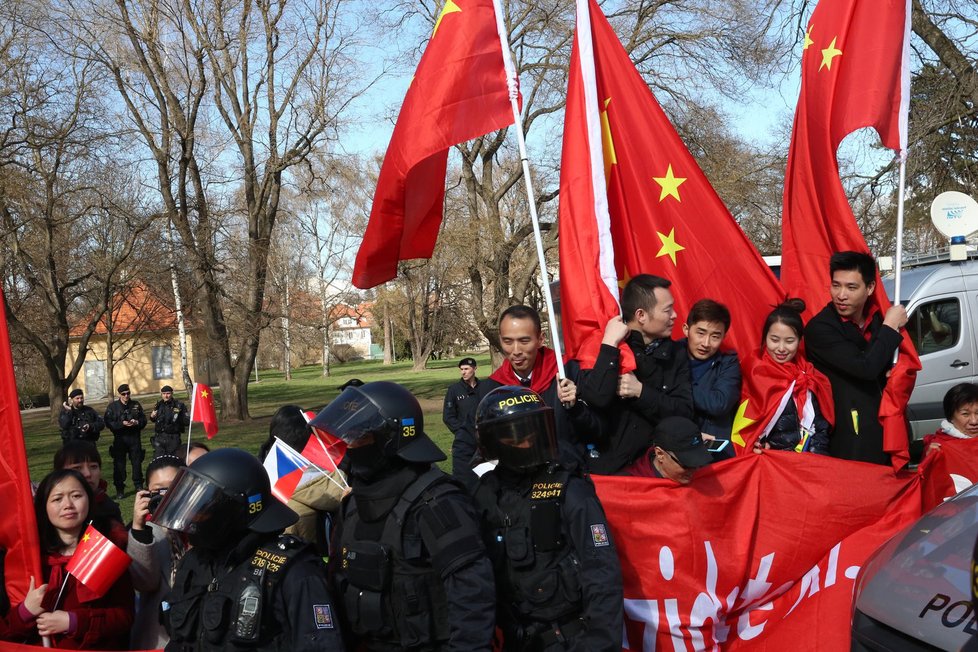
97 562
18 534
855 73
461 90
202 409
633 200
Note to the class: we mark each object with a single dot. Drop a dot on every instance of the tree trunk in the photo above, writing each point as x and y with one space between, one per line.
388 338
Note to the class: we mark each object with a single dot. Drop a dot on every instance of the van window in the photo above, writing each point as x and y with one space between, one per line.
935 326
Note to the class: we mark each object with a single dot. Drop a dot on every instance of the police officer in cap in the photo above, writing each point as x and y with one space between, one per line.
242 585
412 573
557 572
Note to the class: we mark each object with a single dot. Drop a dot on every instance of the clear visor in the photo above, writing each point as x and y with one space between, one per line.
195 502
351 416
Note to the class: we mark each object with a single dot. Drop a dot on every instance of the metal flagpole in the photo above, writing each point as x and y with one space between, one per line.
531 197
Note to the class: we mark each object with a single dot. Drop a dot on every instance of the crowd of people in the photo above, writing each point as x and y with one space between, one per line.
512 550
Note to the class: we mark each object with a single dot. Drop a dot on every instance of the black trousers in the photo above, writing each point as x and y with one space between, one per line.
127 448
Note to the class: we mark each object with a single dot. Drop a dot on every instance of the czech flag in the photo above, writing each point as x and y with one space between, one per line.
286 468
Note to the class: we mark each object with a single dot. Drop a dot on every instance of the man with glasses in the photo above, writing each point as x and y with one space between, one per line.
126 419
677 451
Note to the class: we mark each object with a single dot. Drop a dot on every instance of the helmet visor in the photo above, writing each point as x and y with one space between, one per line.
521 443
352 416
195 504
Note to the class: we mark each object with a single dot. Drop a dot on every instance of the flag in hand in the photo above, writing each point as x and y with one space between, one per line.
323 449
97 562
287 470
633 200
460 91
202 409
855 73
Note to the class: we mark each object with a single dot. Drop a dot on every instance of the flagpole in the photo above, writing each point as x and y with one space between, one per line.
898 263
311 463
531 197
319 440
193 400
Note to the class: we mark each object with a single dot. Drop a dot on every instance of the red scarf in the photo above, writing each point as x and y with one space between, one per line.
766 381
544 371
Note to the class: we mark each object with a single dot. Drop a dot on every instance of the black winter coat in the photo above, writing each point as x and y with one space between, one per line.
116 413
786 432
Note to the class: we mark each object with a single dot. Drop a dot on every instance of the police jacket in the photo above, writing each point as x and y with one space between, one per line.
269 593
458 412
171 417
663 370
412 572
116 413
557 573
73 422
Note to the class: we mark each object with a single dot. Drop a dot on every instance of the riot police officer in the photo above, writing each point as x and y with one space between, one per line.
171 417
412 571
77 420
557 572
242 585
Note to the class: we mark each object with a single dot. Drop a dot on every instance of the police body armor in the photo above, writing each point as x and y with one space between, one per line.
169 425
392 594
537 571
235 609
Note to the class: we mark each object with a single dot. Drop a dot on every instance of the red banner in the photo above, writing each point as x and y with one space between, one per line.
948 470
759 552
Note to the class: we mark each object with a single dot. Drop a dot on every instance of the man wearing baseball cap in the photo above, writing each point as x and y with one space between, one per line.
677 451
461 400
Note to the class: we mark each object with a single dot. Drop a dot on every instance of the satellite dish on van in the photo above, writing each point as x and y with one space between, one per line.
954 213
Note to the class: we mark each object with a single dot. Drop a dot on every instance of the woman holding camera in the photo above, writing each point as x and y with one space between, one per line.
155 553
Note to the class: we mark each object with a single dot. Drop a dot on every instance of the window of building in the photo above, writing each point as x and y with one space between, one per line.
162 362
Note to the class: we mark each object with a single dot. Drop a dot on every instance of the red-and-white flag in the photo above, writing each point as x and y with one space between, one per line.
855 73
460 91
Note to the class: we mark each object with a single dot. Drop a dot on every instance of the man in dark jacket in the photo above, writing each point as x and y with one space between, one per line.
660 385
715 374
458 413
531 364
171 417
126 419
853 344
77 420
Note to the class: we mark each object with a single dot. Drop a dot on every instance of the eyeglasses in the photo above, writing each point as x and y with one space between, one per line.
123 393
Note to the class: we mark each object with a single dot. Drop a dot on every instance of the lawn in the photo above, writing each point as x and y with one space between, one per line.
307 389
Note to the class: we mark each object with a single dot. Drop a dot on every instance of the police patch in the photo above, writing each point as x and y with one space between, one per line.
599 534
324 617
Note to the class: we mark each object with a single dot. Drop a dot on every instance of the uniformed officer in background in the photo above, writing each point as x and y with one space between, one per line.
242 585
458 413
411 573
557 573
171 418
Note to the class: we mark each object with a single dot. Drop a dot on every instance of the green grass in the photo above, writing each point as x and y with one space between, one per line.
307 389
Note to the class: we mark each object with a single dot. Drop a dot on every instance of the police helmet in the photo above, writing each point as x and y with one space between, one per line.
384 411
219 497
514 426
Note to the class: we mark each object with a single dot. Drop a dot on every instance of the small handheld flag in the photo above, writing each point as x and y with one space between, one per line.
97 562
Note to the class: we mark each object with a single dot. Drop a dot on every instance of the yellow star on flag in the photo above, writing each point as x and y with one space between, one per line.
203 393
828 54
607 142
669 245
670 184
449 8
740 422
622 282
86 537
808 37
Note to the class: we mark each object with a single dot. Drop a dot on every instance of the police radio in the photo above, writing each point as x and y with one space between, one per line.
249 613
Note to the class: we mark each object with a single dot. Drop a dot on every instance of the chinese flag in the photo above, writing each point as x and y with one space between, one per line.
855 73
460 91
323 449
202 409
18 534
633 200
97 562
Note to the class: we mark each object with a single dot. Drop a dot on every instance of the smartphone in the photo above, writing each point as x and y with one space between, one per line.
718 445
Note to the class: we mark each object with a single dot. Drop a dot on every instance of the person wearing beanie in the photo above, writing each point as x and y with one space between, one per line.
77 420
458 413
126 419
171 417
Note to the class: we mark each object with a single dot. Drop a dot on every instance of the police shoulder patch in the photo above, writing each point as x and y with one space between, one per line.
599 535
323 615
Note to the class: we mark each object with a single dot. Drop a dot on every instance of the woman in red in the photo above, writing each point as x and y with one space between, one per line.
80 619
961 417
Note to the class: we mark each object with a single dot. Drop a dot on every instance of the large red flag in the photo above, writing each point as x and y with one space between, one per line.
97 562
18 535
855 73
758 553
202 409
633 200
948 470
461 90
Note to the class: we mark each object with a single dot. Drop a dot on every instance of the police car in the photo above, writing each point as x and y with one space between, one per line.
914 593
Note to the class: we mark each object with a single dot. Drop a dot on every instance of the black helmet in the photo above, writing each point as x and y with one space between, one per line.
514 426
386 411
220 496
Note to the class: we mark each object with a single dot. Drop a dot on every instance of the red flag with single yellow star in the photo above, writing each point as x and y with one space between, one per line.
460 91
855 74
633 200
97 562
202 409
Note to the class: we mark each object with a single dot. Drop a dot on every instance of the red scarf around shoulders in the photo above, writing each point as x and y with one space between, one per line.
544 371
